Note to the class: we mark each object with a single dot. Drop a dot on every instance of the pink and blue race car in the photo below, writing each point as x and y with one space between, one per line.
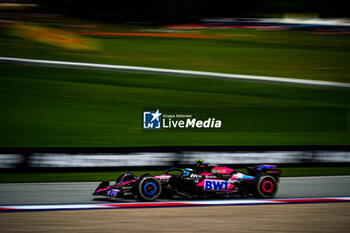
201 181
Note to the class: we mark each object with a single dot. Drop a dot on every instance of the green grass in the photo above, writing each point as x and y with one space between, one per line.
44 107
315 171
47 107
296 54
101 176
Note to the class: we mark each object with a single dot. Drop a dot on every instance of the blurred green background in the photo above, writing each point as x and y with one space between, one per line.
61 107
44 106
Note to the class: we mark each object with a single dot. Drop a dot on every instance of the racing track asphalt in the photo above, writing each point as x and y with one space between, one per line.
80 192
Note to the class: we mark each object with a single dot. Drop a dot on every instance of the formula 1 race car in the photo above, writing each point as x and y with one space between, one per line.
202 181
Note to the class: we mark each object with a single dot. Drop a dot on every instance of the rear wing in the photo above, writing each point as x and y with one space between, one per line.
265 169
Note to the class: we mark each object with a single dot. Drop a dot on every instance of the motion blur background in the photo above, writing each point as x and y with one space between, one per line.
64 125
57 107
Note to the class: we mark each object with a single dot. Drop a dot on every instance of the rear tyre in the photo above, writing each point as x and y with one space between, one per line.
148 189
265 186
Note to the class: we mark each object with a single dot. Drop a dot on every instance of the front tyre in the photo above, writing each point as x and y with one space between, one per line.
148 189
265 186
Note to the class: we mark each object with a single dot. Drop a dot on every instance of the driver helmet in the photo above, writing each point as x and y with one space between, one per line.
199 163
188 171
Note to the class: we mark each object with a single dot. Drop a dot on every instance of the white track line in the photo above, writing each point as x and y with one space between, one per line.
172 204
214 75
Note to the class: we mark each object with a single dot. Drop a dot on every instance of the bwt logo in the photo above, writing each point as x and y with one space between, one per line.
215 185
151 120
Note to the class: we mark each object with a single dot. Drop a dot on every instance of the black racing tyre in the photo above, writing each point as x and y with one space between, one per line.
148 188
265 186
